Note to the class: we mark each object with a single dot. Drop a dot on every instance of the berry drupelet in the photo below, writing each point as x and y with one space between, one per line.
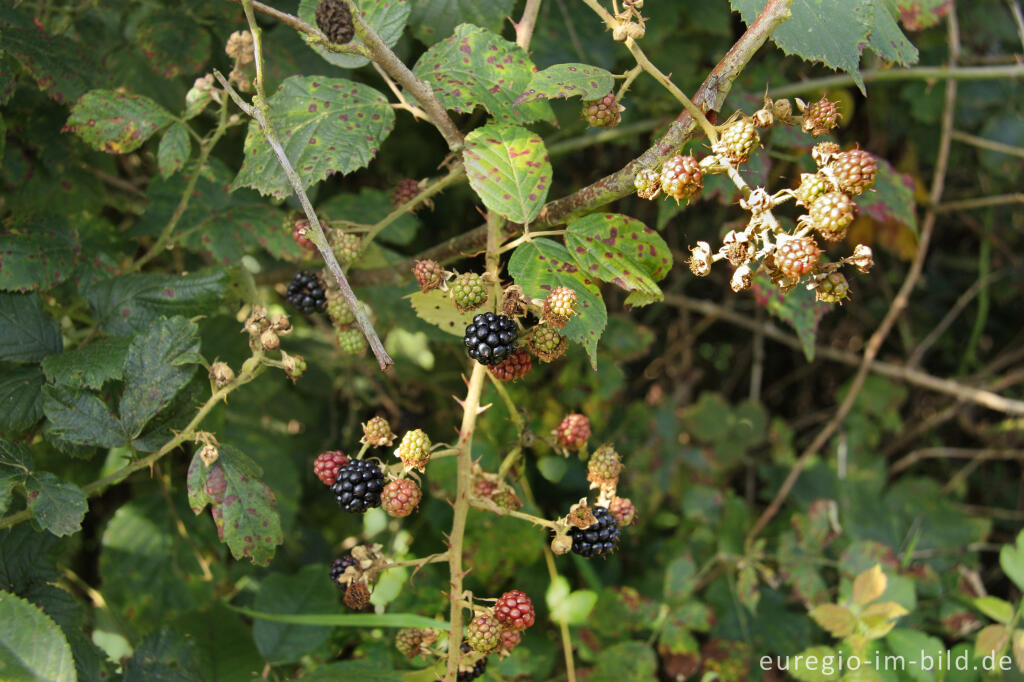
491 338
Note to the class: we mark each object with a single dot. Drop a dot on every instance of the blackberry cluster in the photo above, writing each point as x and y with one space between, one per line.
306 293
335 20
491 338
600 538
358 486
338 568
476 671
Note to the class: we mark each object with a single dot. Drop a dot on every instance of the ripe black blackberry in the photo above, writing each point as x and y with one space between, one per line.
491 338
600 538
476 671
307 293
358 486
338 568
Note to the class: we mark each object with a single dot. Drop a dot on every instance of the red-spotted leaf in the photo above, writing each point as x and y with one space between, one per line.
326 126
540 265
568 80
509 170
243 506
890 201
886 38
37 251
799 309
116 122
432 20
622 250
172 43
60 67
475 67
174 150
921 14
386 17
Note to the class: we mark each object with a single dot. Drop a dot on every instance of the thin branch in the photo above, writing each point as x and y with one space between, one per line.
1018 18
524 29
916 456
457 173
990 145
980 202
916 73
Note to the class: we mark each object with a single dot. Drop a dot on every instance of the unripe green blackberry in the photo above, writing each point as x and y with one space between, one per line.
820 117
547 344
483 634
833 288
334 18
514 367
738 141
603 113
559 306
831 213
506 499
682 177
414 450
351 341
812 186
429 274
468 292
338 309
854 171
400 497
405 190
647 182
346 247
377 432
604 465
796 256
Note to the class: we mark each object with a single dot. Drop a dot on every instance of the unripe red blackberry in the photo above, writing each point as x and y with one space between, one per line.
603 113
405 190
514 610
300 228
833 288
854 171
623 511
429 274
547 344
647 182
738 141
831 213
812 186
346 247
400 497
681 177
796 256
414 450
604 465
820 117
483 634
377 432
510 639
351 341
514 367
559 306
573 431
334 18
326 465
468 292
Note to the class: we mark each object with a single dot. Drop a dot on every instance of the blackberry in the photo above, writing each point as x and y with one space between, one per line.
737 141
647 183
820 117
338 309
471 672
307 293
515 610
468 292
351 341
811 187
338 568
623 510
491 338
682 177
604 466
405 190
573 431
328 464
429 274
854 171
358 486
299 231
600 538
833 288
797 256
401 497
414 450
510 639
547 344
602 113
346 247
334 18
559 306
377 432
483 634
515 366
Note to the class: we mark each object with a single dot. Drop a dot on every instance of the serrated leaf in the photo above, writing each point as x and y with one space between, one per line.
174 150
508 168
435 307
60 67
886 38
869 585
386 17
890 201
798 309
568 80
172 43
432 20
1011 560
622 250
163 656
37 252
539 266
160 361
116 122
833 32
129 303
32 647
475 67
20 399
59 507
88 366
837 620
81 417
27 333
303 593
326 126
995 608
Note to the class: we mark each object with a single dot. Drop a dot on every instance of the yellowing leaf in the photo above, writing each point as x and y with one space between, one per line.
869 585
991 639
436 308
879 619
995 608
836 619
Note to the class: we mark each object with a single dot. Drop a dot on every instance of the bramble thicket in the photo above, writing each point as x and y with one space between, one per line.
606 340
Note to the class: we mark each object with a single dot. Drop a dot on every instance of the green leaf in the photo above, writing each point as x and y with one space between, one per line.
164 656
362 670
809 666
509 170
912 645
435 307
995 608
354 620
20 399
27 333
625 662
224 648
15 467
1011 560
886 38
116 122
569 607
680 579
60 67
621 250
174 150
81 417
386 17
172 43
326 126
302 593
890 201
568 80
88 366
540 265
798 308
477 67
432 20
129 303
37 251
160 361
59 507
32 647
246 512
833 32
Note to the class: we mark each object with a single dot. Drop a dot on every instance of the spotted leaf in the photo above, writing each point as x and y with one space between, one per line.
475 67
621 250
386 17
326 126
59 65
116 122
172 43
568 80
540 265
37 251
435 307
509 170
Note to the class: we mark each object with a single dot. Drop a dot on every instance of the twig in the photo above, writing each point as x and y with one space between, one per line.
990 145
937 73
524 29
402 103
980 202
1018 18
916 456
898 304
